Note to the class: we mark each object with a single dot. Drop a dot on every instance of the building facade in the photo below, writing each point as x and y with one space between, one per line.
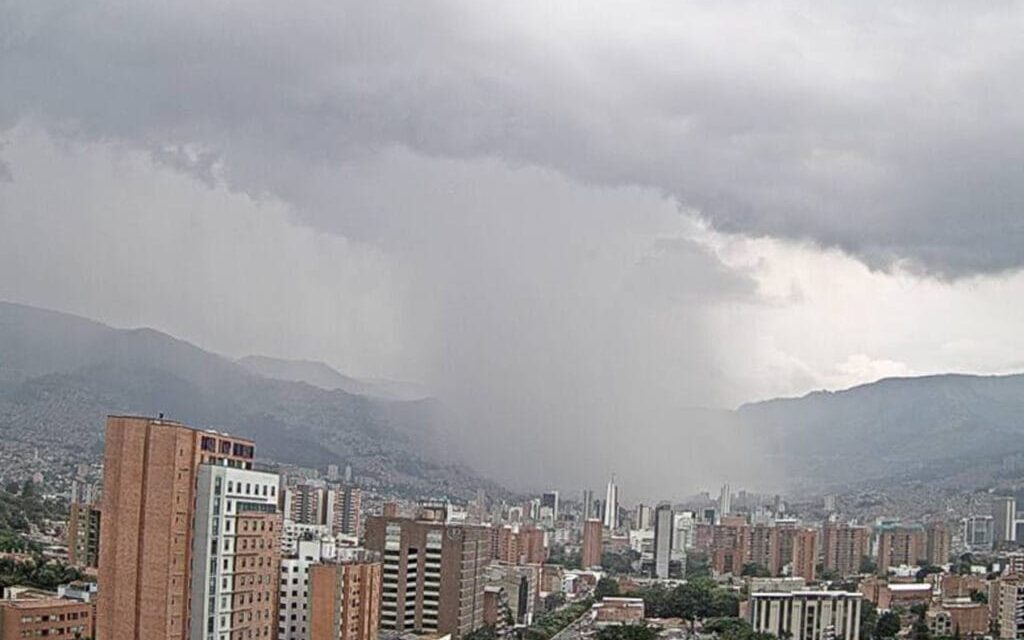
807 615
344 600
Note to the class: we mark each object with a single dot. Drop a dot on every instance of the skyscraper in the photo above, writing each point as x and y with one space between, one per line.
550 500
587 511
611 505
590 554
725 500
1004 515
150 468
663 530
344 510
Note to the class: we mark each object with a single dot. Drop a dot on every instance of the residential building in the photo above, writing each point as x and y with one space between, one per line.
52 618
150 469
844 548
1011 608
344 508
807 615
592 548
900 545
293 621
937 544
236 554
83 535
344 600
611 505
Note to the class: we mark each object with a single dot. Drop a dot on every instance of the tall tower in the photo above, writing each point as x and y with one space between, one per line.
725 500
664 522
150 469
611 505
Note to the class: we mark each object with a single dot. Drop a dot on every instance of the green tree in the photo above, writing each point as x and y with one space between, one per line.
606 587
888 625
627 632
868 619
755 570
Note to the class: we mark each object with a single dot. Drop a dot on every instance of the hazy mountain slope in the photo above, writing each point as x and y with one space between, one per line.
60 375
323 376
890 427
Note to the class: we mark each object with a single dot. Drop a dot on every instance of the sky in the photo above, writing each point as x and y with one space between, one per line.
569 220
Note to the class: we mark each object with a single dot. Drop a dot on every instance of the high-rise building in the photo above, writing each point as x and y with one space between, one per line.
344 510
236 552
1004 517
433 573
725 500
293 604
590 554
1010 610
978 532
150 469
550 500
803 552
806 615
611 505
643 517
684 537
305 503
344 600
83 535
937 543
663 531
844 548
587 511
900 545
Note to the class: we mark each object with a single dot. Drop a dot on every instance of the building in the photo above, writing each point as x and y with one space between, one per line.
807 615
433 573
344 600
345 510
725 500
961 618
617 611
550 501
593 547
83 535
52 618
305 503
236 554
611 505
150 468
844 548
978 532
293 601
664 524
900 545
520 589
937 543
1011 608
587 510
1004 518
730 546
802 552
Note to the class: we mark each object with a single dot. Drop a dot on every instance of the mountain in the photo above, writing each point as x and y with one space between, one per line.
929 426
325 377
60 375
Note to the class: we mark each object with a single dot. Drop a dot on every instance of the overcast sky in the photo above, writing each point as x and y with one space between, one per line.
568 219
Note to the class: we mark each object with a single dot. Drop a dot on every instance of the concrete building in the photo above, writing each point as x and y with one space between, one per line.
978 532
236 552
520 586
293 598
150 468
684 537
83 535
550 500
433 573
305 503
592 548
1004 518
344 600
587 510
900 545
611 505
807 615
725 500
345 510
52 618
663 530
937 544
1011 608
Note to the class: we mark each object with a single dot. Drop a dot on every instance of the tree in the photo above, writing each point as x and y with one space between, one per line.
925 571
755 570
627 632
888 625
868 619
487 632
868 565
606 587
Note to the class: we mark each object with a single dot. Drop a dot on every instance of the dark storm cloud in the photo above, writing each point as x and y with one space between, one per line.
890 131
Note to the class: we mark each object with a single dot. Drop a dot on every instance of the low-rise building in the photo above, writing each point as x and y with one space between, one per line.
615 611
49 617
807 615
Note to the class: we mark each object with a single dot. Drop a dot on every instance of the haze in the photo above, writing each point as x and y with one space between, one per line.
569 220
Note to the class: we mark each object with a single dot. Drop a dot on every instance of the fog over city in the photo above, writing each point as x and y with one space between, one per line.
574 223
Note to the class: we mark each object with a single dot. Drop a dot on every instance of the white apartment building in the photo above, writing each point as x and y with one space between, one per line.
807 615
293 607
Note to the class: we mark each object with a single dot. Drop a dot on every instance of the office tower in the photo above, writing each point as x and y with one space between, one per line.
305 503
332 472
663 530
590 554
900 545
611 505
348 474
344 509
806 615
235 554
978 532
844 548
433 573
1004 517
937 543
150 467
588 510
550 500
83 535
344 600
293 601
643 517
725 500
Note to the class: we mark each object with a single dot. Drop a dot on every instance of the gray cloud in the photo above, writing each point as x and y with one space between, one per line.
887 131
